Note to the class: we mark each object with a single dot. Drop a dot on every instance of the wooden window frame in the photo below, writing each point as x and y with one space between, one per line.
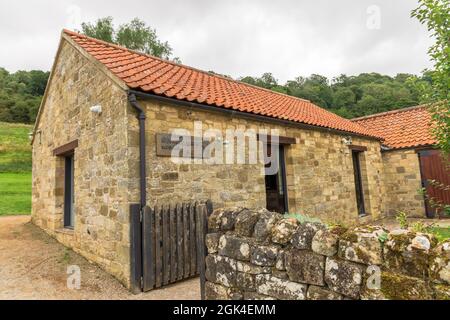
359 188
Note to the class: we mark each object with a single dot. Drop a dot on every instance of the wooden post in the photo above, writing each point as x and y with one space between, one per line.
202 230
135 248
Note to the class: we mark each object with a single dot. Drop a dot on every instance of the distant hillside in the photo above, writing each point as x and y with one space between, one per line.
15 148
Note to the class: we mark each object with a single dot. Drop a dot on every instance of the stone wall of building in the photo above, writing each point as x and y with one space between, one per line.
259 255
320 179
402 182
101 232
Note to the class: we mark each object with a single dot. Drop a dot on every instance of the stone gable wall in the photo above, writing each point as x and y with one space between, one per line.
259 255
101 232
402 181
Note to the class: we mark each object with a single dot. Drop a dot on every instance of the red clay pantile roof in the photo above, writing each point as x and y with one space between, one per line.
153 75
404 128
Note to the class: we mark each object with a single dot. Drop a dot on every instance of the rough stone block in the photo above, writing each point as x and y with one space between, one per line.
344 277
280 263
212 242
234 247
440 263
245 223
245 281
441 292
320 293
408 253
326 241
305 266
283 230
362 245
221 270
256 296
264 225
251 269
397 287
303 236
215 291
279 288
265 256
223 219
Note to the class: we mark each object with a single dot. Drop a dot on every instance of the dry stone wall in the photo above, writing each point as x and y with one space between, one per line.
259 255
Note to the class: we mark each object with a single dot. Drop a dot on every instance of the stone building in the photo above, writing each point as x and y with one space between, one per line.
102 142
411 162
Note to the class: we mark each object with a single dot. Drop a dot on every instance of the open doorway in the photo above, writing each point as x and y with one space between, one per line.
276 187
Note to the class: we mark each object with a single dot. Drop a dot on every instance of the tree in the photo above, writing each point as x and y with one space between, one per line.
435 14
135 35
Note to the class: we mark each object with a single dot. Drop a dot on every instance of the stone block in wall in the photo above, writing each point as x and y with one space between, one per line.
303 236
264 225
280 264
344 277
279 288
440 263
221 270
223 219
256 296
245 281
320 293
215 291
245 222
362 245
441 292
265 256
212 242
326 241
406 252
251 268
234 247
283 230
395 286
305 266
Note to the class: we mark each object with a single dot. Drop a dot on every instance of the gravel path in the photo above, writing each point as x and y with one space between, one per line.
34 265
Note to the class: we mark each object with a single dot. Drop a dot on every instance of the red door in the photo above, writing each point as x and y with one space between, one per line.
434 168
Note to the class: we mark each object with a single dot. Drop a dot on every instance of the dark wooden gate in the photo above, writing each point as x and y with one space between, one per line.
172 243
434 168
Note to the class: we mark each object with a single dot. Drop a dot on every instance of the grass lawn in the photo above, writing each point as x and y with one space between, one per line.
441 233
15 193
15 169
15 148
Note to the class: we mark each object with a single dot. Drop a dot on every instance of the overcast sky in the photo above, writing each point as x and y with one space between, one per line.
237 38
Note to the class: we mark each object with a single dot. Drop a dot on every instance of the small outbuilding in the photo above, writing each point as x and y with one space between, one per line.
104 142
415 173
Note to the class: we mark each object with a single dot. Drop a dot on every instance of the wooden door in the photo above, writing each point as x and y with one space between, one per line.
433 167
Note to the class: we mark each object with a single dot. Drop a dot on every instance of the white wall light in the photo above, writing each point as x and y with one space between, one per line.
96 109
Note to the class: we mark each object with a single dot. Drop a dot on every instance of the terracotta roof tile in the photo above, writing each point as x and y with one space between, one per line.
404 128
153 75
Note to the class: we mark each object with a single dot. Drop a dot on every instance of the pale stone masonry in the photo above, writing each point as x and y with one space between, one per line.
278 258
319 168
403 181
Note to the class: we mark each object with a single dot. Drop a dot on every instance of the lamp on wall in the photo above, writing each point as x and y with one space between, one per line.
96 109
347 140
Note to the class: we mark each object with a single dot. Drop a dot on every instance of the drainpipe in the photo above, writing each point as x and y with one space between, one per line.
142 159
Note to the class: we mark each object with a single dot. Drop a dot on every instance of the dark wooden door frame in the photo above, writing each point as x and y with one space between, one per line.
421 153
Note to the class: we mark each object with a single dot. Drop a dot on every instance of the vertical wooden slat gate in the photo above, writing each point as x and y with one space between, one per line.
173 243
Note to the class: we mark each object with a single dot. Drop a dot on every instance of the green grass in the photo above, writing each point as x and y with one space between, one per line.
15 169
15 148
15 193
441 233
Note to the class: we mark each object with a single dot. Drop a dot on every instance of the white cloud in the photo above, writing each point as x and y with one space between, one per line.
288 37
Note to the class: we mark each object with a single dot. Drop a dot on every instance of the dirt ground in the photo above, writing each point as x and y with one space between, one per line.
34 266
